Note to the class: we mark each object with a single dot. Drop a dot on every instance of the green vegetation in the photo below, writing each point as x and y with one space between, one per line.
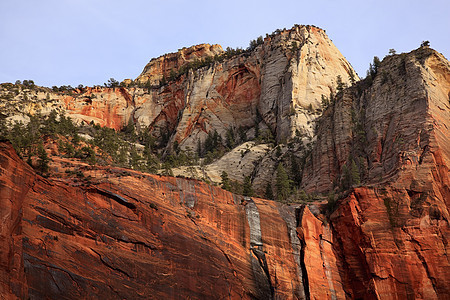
255 43
373 67
425 44
225 183
247 189
340 84
112 83
331 203
26 138
43 160
234 186
283 183
269 192
212 148
350 175
107 146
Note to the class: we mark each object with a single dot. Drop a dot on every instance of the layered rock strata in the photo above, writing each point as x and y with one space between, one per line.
276 89
393 230
278 85
140 236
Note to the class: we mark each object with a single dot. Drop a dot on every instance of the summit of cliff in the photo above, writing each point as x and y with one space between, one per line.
272 92
167 64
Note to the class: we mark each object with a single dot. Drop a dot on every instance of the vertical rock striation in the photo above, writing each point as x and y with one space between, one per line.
141 236
395 130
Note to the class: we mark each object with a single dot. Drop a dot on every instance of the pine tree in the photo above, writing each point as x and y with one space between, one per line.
225 181
43 159
257 130
425 44
340 83
269 192
351 175
199 148
283 184
354 173
296 171
373 68
346 178
247 188
231 141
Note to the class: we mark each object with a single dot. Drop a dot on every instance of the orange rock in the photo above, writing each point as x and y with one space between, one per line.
139 236
135 235
387 252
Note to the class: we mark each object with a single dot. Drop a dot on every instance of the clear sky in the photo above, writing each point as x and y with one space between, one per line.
62 42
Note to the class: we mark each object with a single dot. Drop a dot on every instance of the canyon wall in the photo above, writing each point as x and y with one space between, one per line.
278 85
380 150
393 230
134 235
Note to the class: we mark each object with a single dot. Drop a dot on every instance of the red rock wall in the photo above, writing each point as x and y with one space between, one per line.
389 253
143 236
16 179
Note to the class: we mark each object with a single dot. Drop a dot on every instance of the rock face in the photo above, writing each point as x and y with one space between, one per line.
279 84
144 236
275 89
162 66
396 130
371 124
383 146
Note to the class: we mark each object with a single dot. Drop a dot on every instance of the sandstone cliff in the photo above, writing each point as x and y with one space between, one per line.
280 83
131 235
381 150
164 65
395 129
275 89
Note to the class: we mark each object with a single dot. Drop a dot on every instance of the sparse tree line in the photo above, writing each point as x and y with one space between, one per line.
210 60
120 147
111 147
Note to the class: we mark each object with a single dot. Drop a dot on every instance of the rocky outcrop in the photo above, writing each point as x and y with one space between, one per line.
169 63
124 234
278 84
241 160
370 124
16 180
382 147
394 243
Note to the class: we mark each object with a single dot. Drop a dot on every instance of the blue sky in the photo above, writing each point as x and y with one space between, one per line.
62 42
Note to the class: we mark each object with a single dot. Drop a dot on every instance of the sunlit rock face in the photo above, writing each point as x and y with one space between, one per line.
278 84
123 234
141 236
277 89
393 230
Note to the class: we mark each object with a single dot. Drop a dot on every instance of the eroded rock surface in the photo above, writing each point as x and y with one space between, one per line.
393 230
140 236
124 234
